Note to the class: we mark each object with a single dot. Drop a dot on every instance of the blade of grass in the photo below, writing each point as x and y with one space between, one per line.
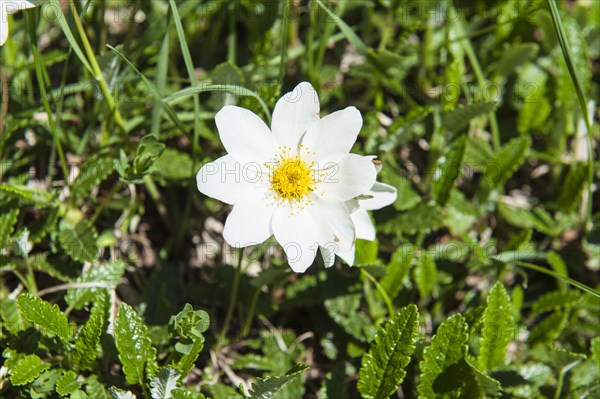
154 91
559 276
233 89
566 50
161 79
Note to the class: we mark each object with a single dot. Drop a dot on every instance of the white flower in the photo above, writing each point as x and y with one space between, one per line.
296 181
10 7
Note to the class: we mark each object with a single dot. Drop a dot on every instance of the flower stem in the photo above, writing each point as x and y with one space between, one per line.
251 311
234 293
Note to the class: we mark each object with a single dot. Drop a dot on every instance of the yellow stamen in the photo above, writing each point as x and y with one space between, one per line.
292 178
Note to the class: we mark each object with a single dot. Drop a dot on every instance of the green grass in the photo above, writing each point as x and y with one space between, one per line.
483 113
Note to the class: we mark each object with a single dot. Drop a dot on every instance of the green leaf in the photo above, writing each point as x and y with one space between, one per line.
79 242
396 271
506 161
549 328
181 394
266 388
173 164
498 328
88 338
448 347
26 369
449 169
423 218
366 252
67 383
117 393
425 274
189 324
93 171
573 186
514 56
382 367
105 275
136 352
95 389
344 310
8 220
555 300
47 317
460 117
164 383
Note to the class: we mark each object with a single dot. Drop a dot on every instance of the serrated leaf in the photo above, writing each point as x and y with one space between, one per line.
181 394
117 393
95 389
460 117
266 388
88 338
425 274
506 161
67 383
448 346
555 300
449 169
571 189
423 218
189 324
47 317
548 329
173 164
26 369
79 242
498 328
382 367
108 274
136 352
164 382
366 252
93 171
7 223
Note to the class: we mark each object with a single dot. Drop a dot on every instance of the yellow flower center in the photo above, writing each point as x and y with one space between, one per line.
292 179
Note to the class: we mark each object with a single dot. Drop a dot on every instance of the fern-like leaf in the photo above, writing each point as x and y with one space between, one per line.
265 388
48 317
164 383
498 326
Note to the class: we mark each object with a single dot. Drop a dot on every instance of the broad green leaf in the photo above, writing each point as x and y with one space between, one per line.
382 367
555 300
506 161
79 241
47 317
460 117
105 275
136 352
366 253
67 383
448 346
164 382
266 388
449 169
26 369
88 338
425 274
498 328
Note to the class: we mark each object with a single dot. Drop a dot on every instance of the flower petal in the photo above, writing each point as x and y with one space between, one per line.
364 227
226 179
249 223
348 256
328 256
3 27
294 114
350 177
332 138
383 195
245 136
299 234
337 221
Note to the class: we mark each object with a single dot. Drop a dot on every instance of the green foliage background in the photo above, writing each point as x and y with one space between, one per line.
483 282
